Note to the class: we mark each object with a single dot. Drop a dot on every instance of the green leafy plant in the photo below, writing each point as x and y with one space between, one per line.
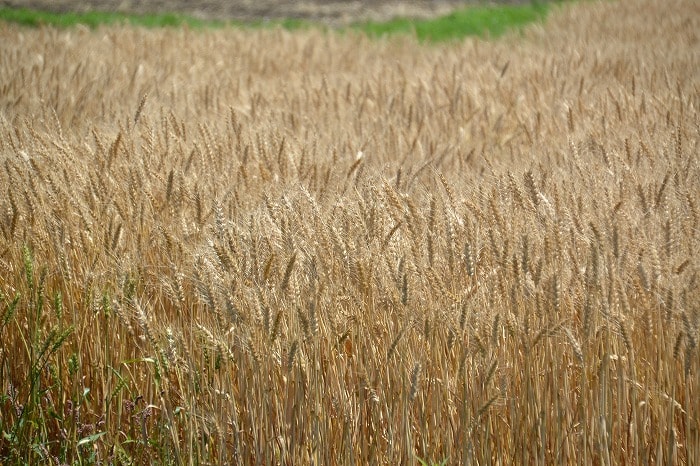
41 341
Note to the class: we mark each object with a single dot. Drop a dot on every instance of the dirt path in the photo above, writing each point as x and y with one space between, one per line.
332 12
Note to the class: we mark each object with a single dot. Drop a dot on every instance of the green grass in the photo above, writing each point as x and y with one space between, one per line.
35 18
489 21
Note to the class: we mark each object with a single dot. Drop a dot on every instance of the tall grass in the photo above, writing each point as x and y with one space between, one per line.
258 247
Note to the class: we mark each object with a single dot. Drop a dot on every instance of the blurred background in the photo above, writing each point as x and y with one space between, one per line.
328 11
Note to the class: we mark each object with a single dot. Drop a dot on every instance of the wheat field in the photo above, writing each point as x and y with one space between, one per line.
273 247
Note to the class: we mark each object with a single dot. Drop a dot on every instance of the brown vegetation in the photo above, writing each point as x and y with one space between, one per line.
272 247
